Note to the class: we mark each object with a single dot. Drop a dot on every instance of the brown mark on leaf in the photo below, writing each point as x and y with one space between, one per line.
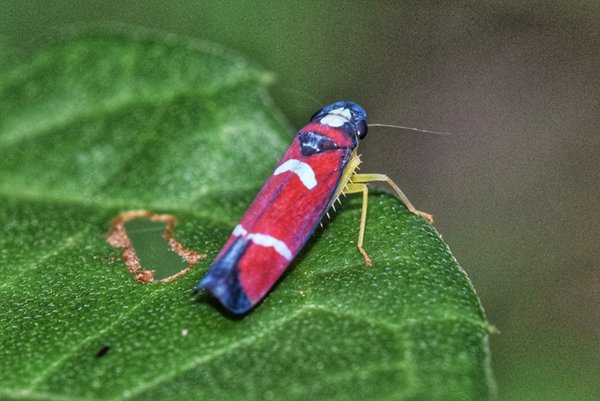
118 238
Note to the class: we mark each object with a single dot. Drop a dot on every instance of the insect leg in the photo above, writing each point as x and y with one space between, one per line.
355 188
364 178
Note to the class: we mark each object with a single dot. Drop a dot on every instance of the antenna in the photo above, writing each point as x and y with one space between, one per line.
411 129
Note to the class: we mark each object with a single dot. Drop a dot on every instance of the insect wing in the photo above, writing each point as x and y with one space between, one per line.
277 224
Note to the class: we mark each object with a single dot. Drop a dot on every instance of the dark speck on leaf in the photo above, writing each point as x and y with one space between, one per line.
103 351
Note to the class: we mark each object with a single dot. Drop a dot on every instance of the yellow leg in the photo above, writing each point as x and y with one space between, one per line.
364 178
354 188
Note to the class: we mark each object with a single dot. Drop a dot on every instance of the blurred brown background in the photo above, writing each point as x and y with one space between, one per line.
514 190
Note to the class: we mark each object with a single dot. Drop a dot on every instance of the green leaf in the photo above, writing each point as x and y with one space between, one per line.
95 124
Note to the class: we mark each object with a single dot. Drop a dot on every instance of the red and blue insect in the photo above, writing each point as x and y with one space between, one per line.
318 167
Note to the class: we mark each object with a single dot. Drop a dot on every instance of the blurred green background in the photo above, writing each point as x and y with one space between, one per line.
514 190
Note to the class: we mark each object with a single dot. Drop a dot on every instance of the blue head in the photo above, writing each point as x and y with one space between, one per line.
340 113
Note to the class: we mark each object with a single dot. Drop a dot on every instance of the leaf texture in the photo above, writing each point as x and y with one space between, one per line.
97 123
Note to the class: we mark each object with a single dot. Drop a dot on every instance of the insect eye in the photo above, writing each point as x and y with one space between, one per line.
361 129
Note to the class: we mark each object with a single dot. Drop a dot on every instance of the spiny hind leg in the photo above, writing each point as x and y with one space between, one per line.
355 188
364 178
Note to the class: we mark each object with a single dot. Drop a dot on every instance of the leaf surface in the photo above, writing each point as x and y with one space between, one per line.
94 124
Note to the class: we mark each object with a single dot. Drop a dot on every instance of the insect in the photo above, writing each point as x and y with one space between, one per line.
318 167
